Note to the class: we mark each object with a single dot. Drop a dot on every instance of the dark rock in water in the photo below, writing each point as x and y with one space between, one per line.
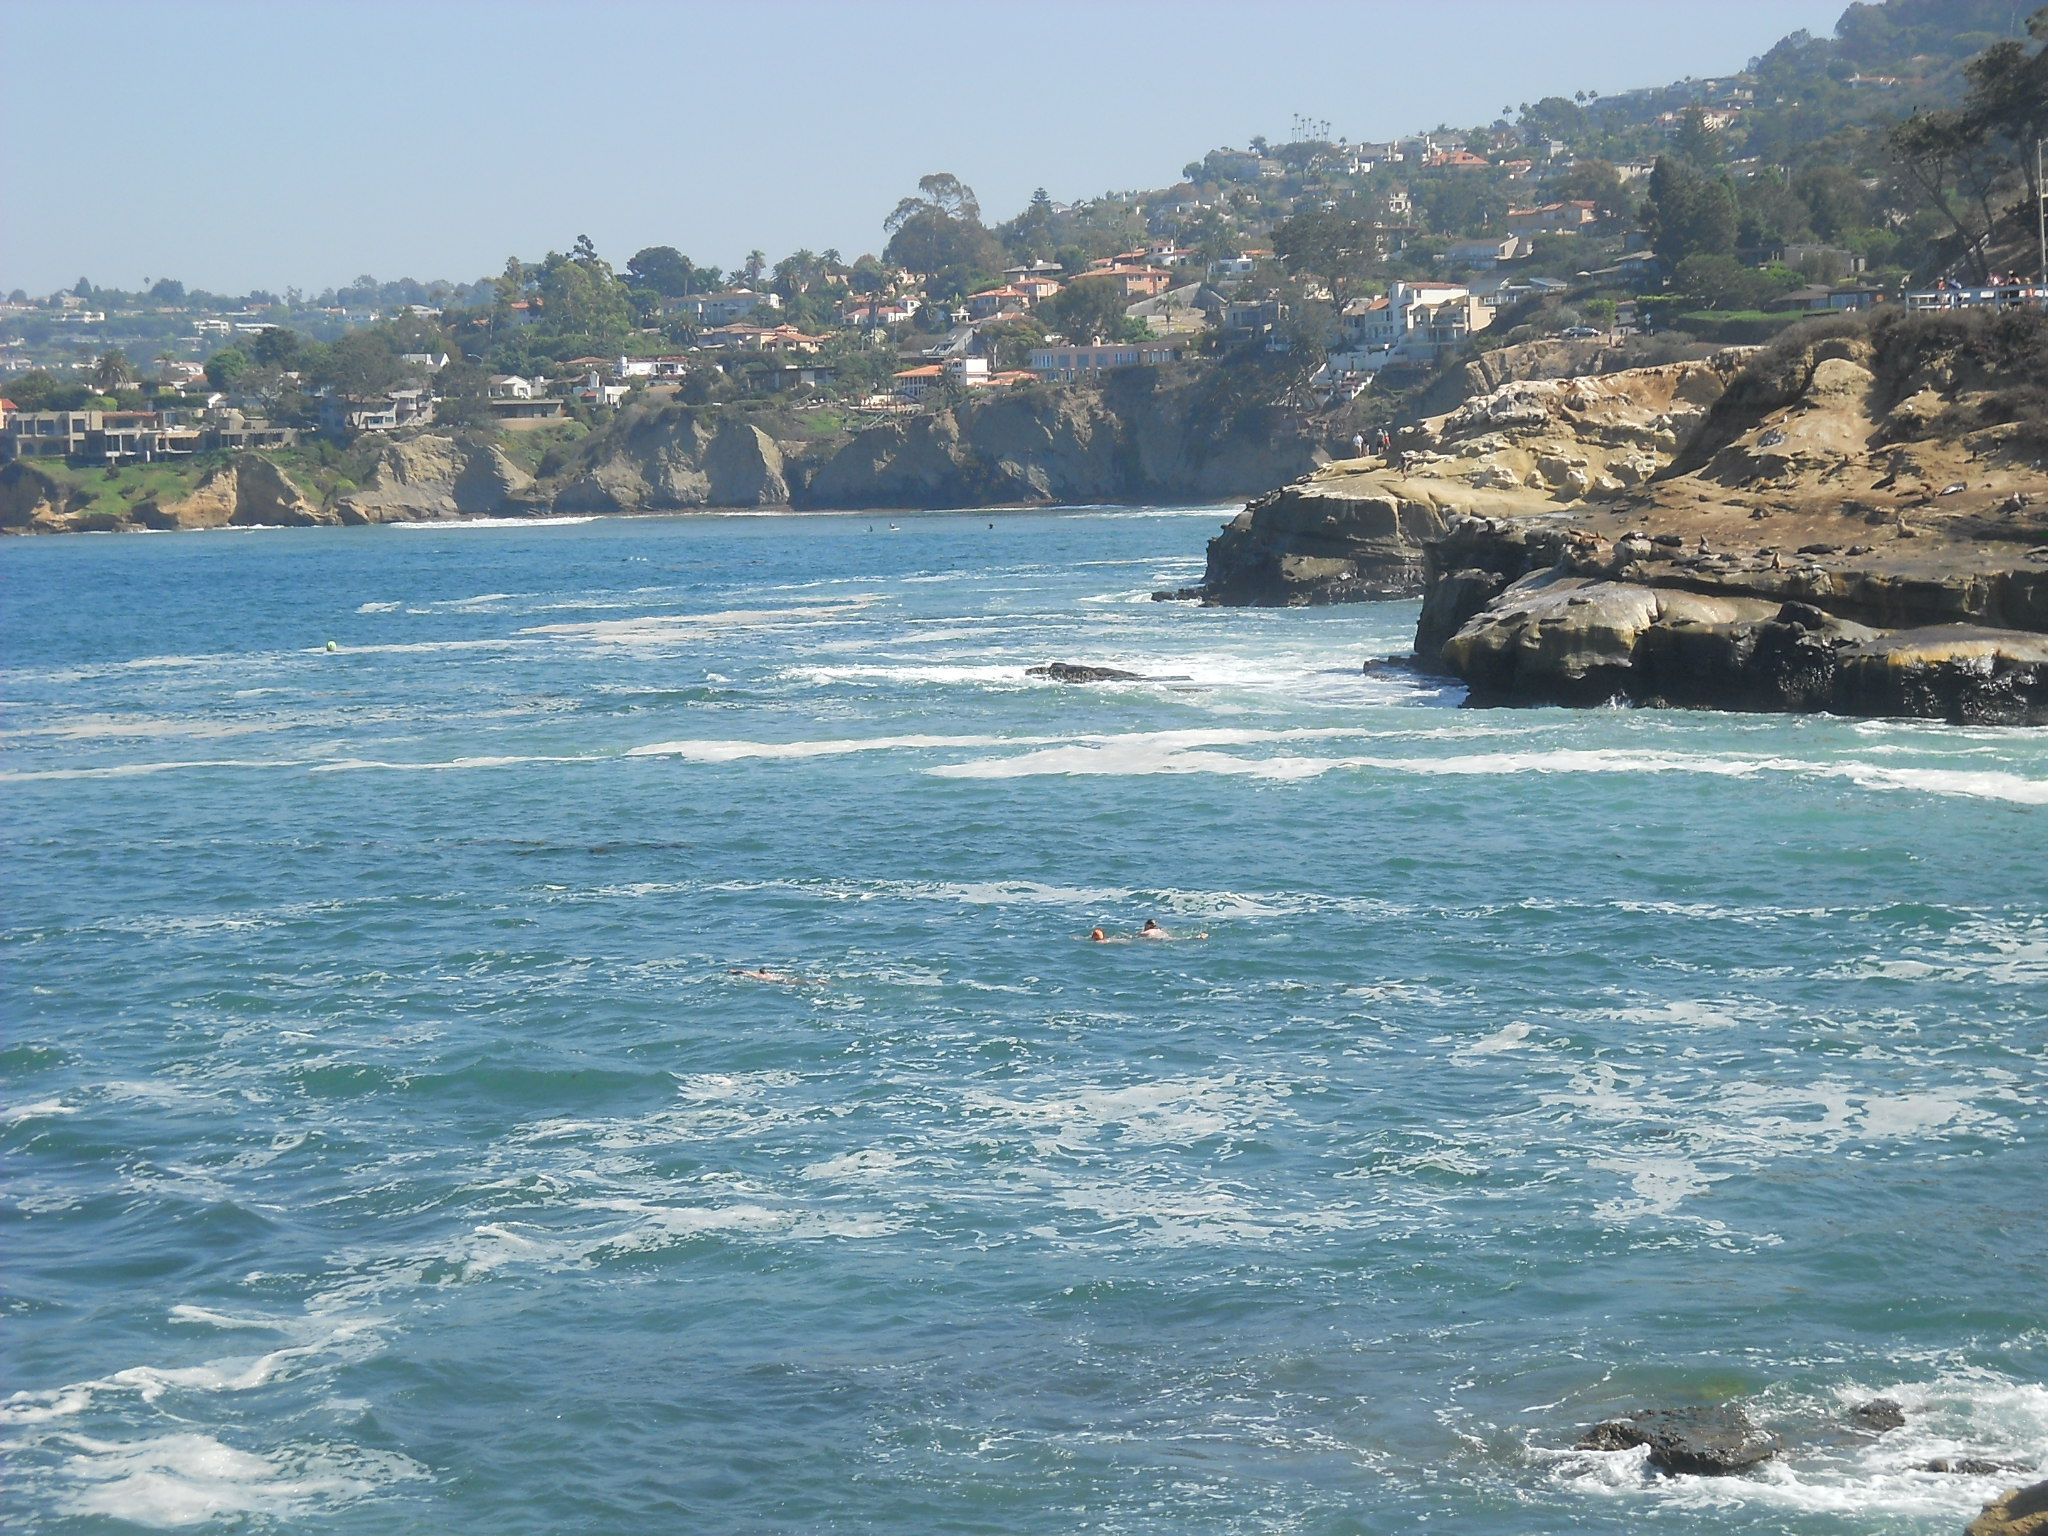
1880 1415
1069 672
2017 1512
1971 1466
1177 595
1709 1442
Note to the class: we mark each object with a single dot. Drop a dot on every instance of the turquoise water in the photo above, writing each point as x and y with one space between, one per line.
389 1147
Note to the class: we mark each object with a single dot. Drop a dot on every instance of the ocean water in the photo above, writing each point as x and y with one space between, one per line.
389 1146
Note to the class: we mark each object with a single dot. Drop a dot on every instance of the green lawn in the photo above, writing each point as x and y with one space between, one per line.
115 491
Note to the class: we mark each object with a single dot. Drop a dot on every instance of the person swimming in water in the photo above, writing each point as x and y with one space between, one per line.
1152 930
762 973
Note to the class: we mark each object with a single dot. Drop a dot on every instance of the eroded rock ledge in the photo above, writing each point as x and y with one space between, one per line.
1560 615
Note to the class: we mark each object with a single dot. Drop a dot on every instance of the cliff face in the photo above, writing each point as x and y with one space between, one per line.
434 476
246 492
675 459
31 501
1125 443
1860 525
1357 529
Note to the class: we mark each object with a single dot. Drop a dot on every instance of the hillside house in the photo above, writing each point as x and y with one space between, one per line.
1411 324
1075 363
1564 218
717 309
1486 253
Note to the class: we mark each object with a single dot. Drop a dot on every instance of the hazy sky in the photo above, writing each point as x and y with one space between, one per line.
270 143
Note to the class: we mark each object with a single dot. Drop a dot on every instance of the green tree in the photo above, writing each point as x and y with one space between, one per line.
39 390
1944 160
226 366
277 346
940 232
167 290
360 365
1694 141
1835 199
1087 309
1597 182
583 306
661 269
1688 214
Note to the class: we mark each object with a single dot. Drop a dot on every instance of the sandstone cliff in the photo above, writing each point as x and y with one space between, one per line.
1357 528
246 492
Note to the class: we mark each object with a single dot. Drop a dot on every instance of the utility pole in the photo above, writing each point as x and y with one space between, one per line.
2041 213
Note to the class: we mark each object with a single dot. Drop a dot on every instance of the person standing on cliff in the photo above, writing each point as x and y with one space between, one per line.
1358 445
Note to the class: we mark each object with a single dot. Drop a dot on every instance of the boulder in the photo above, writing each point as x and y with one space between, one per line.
1707 1442
2016 1512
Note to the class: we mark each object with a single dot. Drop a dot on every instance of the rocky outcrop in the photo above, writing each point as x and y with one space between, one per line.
1359 529
1657 624
1075 672
1813 549
434 476
31 501
248 491
675 459
1708 1442
2016 1512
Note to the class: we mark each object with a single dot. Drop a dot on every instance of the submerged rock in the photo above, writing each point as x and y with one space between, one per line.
2016 1512
1070 672
1879 1416
1708 1442
1970 1466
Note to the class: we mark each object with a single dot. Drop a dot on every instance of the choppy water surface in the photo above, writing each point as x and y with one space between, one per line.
388 1147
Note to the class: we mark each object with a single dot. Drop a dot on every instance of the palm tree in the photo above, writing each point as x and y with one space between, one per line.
755 264
111 371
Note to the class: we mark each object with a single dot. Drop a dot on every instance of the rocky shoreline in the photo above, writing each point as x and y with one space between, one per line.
1855 521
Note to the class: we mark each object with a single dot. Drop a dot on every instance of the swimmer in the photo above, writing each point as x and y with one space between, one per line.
762 973
1152 930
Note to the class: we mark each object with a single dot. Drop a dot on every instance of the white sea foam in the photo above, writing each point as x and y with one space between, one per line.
186 1479
41 1109
334 1342
1975 1414
447 524
738 751
667 628
1161 754
1509 1037
453 764
141 770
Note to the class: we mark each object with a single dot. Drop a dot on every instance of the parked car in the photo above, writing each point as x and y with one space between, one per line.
1580 332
